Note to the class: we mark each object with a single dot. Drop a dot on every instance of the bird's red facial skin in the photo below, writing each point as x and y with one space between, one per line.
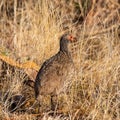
71 38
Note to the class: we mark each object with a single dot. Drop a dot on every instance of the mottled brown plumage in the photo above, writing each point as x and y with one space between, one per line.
56 70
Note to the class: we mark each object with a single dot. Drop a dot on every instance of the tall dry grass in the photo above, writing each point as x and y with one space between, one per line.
32 32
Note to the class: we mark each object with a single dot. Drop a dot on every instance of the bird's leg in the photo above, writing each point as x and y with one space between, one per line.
38 104
52 103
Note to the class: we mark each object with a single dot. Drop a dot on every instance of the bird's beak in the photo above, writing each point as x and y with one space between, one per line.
72 39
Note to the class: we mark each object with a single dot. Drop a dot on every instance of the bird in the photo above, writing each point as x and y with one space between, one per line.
55 70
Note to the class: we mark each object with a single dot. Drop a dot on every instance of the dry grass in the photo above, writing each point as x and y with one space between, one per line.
31 32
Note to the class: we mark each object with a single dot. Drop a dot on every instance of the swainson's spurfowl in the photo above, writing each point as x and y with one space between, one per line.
56 70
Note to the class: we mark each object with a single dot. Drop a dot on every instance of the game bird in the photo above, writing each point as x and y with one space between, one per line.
55 71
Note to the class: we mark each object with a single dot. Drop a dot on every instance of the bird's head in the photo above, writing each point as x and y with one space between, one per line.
65 41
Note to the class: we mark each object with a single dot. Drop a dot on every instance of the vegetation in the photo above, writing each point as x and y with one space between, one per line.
29 34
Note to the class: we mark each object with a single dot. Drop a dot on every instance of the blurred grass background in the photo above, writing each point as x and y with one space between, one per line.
30 30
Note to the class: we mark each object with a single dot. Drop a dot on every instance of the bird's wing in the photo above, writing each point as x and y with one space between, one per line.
48 67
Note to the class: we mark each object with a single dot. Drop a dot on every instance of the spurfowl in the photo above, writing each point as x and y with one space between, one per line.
55 71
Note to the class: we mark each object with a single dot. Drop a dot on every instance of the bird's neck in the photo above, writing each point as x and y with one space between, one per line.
66 53
64 49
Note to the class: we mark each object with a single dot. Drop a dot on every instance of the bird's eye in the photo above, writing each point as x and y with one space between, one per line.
71 37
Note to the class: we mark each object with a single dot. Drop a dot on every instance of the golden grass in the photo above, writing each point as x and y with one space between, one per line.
33 34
